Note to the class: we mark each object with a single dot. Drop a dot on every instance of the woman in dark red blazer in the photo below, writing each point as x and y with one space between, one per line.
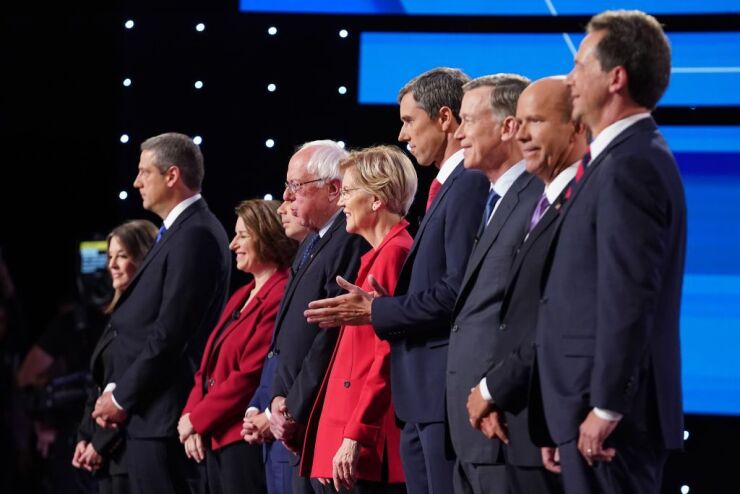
211 422
352 439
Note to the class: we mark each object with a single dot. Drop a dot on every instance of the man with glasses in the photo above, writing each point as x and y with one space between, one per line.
300 352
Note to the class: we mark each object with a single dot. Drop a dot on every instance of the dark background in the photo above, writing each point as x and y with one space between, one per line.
63 108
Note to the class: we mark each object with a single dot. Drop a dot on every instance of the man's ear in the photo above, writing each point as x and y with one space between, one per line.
172 175
446 119
618 80
334 187
509 128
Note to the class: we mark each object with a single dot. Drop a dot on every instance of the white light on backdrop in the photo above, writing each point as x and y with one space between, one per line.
343 33
198 140
685 489
341 144
271 87
272 30
342 90
123 195
127 82
129 24
270 143
198 84
268 197
124 138
200 27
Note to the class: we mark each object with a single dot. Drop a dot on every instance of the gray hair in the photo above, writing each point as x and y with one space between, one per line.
173 149
436 88
324 161
505 91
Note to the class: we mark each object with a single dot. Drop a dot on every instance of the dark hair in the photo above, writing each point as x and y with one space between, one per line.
505 91
437 88
636 41
136 237
262 220
173 149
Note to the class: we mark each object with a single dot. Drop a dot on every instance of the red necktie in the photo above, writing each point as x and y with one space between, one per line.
579 172
433 191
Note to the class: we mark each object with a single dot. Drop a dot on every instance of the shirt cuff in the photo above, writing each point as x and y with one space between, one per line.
268 413
111 387
250 409
484 391
607 414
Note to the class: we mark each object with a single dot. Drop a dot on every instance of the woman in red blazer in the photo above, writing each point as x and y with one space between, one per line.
352 439
211 422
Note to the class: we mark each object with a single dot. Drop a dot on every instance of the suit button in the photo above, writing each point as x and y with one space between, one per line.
211 382
109 326
543 300
502 327
270 354
455 328
115 332
346 384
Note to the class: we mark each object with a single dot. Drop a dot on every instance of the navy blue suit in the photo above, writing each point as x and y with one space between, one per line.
416 321
608 332
159 329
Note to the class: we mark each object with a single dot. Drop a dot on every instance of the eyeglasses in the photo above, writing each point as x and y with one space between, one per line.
295 187
345 191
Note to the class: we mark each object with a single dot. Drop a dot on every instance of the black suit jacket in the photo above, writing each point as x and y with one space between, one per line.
417 319
476 338
608 332
508 380
304 349
163 319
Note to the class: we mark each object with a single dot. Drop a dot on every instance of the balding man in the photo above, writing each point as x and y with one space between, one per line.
552 145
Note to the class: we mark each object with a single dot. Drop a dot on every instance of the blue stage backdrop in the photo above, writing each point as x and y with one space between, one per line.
485 7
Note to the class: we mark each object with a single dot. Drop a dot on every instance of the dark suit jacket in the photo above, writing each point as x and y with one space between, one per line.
513 358
416 320
476 334
232 361
163 319
304 349
109 443
608 324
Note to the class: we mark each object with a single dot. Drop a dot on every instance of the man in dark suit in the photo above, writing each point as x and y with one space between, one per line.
607 338
552 145
416 319
300 351
164 317
488 136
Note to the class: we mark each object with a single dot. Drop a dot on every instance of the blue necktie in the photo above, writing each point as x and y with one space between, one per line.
490 204
162 230
310 244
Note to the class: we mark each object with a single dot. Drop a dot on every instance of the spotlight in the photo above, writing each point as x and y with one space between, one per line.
268 197
342 90
124 138
272 30
123 195
127 82
197 140
343 33
270 143
341 144
685 489
129 24
408 147
271 87
200 27
198 84
685 435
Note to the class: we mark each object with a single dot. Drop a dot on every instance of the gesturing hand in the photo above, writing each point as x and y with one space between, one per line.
353 307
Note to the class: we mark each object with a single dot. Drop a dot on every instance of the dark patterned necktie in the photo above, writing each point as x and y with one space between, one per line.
579 172
162 231
310 244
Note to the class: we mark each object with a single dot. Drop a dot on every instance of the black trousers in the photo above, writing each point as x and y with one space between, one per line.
426 460
236 468
360 487
159 466
114 484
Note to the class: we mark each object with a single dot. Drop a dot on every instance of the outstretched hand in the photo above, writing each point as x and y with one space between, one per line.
353 308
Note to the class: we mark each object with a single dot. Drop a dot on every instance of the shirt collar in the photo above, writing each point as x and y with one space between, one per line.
449 165
607 135
177 210
505 181
559 183
327 225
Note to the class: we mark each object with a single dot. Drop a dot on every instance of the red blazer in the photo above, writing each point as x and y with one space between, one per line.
355 397
232 362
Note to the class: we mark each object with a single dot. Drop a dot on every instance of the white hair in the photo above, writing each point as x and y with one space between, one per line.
324 161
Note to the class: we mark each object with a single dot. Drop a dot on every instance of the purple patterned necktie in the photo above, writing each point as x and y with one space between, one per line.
539 212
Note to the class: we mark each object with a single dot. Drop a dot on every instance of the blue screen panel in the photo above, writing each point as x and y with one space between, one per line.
706 66
485 7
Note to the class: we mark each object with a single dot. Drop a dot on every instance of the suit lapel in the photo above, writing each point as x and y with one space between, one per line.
103 342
